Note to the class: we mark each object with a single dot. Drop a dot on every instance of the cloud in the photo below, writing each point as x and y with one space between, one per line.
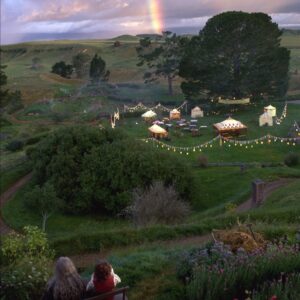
95 18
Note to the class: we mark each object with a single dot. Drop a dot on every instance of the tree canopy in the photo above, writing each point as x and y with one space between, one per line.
62 69
98 70
96 170
238 55
81 64
162 58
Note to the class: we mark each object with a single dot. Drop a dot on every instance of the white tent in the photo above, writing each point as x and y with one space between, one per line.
157 131
175 114
230 126
271 110
197 112
149 115
265 119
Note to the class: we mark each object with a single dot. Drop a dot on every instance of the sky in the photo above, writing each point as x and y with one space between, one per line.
28 20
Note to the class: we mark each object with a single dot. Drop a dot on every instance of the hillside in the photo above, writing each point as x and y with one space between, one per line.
121 61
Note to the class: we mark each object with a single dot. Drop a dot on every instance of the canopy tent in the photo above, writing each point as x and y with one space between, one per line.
157 131
265 119
234 101
230 127
175 114
197 112
149 115
271 110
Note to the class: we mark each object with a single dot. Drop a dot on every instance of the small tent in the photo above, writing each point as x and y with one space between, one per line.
149 115
197 112
265 119
230 127
175 114
157 131
271 110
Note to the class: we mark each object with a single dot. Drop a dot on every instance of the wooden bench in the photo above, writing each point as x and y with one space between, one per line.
112 293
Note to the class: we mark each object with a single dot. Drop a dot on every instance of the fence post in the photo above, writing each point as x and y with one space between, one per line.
257 191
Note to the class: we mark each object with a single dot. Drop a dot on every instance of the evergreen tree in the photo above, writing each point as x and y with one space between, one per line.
238 55
162 58
81 64
3 91
98 70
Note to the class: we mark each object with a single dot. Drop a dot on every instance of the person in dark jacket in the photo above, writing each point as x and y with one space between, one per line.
66 284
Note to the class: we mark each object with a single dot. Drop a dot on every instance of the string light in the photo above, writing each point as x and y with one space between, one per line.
248 144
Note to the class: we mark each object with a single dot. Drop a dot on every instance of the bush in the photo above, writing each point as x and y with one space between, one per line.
26 264
202 161
96 171
157 205
292 159
234 274
35 139
15 145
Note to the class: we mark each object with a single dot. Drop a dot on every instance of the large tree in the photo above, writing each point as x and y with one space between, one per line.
81 64
236 54
98 70
162 58
3 91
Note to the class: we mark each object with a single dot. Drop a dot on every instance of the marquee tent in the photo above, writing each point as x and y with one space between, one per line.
265 119
157 131
149 115
197 112
271 110
175 114
230 127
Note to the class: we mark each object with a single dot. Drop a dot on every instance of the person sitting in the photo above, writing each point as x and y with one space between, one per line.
103 279
66 284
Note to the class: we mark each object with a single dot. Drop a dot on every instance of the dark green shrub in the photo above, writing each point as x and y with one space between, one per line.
96 171
202 161
292 159
15 145
35 139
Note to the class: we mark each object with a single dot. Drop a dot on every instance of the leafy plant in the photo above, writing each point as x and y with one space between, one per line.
15 145
292 159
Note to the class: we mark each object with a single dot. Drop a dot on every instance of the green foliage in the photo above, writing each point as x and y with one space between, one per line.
62 69
234 274
98 70
15 102
80 62
26 267
33 243
292 159
203 161
95 171
3 82
44 201
162 59
15 145
238 55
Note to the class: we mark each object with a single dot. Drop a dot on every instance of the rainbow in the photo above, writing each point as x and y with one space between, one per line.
156 16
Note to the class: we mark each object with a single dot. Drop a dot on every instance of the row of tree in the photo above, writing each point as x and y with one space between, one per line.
81 65
236 54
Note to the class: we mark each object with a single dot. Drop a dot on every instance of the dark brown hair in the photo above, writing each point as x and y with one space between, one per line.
102 270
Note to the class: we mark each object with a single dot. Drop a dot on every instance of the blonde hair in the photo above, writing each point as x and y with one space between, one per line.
66 282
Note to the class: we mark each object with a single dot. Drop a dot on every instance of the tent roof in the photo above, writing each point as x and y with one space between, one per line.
149 114
175 111
270 107
156 129
197 108
230 124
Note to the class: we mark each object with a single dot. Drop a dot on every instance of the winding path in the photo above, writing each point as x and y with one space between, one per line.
6 196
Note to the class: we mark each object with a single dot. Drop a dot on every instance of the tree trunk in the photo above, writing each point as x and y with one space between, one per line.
170 85
45 218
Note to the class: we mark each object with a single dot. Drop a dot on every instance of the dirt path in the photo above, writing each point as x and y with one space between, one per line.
270 187
6 196
84 260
